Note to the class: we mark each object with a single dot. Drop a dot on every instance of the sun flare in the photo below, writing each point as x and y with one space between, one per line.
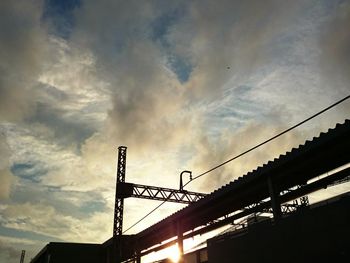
174 254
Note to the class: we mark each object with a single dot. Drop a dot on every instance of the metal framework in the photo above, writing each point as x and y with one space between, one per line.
285 208
119 202
126 190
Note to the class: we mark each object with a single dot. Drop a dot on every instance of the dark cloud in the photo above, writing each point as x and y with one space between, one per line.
335 45
66 131
21 56
107 27
6 176
79 204
151 85
229 38
145 93
28 171
8 253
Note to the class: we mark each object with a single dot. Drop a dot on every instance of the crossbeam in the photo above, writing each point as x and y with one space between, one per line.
126 190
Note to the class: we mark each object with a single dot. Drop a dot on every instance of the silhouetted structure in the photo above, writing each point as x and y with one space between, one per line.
119 202
265 189
318 233
56 252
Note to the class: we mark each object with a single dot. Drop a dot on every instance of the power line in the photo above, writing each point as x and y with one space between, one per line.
243 153
154 209
272 138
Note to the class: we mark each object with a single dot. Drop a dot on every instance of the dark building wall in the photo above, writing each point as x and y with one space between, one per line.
70 252
319 234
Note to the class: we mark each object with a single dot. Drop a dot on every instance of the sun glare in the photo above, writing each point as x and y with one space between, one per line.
174 254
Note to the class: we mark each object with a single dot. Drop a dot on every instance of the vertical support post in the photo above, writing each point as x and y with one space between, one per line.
138 257
304 200
275 201
137 252
119 202
180 240
22 256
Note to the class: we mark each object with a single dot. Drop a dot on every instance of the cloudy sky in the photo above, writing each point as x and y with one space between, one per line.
184 85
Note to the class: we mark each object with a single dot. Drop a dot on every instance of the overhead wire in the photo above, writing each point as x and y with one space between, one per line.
141 219
268 140
245 152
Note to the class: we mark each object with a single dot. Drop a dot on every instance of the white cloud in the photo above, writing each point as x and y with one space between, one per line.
71 76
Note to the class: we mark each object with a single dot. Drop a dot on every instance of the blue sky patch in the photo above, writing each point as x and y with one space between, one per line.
160 27
181 67
29 171
92 207
66 130
60 15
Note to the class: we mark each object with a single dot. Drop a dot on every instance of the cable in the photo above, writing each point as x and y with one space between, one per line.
272 138
154 209
247 151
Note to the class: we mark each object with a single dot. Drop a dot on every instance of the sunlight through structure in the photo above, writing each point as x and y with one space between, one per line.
174 253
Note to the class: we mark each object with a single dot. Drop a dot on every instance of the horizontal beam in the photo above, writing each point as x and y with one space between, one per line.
125 190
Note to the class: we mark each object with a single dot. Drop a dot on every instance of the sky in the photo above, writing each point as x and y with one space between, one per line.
185 85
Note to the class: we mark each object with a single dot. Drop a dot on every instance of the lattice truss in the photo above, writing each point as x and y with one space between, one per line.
158 193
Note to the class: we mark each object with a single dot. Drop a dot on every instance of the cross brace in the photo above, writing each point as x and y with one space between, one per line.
126 190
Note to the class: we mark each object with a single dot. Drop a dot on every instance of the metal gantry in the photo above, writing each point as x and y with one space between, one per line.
125 190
